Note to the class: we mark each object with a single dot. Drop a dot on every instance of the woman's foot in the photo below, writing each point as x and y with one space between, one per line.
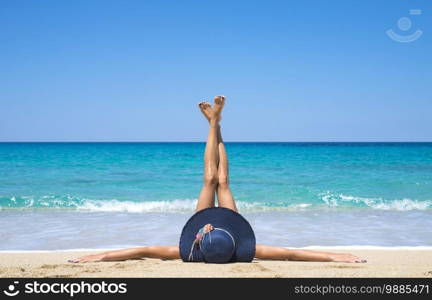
206 109
217 108
346 257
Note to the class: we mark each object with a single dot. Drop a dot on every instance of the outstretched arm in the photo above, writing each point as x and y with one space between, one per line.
279 253
161 252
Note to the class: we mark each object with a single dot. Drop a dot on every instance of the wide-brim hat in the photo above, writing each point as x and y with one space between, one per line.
229 227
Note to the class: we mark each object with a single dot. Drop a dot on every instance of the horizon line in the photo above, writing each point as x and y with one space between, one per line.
203 141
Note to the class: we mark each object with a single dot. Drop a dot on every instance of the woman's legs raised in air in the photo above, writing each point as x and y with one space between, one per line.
224 195
211 155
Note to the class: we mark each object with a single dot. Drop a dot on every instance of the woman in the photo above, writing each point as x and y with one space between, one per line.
226 236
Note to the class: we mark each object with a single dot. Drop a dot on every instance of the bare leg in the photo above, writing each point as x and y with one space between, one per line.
279 253
161 252
224 195
211 156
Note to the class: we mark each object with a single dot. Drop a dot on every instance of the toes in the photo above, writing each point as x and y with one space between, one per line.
204 105
219 99
201 105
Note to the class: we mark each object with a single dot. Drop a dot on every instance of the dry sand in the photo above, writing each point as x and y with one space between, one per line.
381 263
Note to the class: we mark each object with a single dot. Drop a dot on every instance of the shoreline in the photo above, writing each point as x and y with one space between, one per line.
381 263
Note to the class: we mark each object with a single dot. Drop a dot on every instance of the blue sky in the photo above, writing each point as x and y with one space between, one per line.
291 70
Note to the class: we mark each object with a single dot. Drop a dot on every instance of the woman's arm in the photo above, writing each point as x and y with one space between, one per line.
161 252
279 253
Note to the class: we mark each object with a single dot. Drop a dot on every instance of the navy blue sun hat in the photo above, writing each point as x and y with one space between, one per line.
231 240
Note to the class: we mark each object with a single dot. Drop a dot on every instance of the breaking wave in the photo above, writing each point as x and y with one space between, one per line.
327 200
338 200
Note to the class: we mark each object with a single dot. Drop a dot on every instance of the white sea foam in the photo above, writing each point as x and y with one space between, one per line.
404 204
337 200
179 205
183 205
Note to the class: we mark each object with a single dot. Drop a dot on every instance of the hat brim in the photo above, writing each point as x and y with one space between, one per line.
224 218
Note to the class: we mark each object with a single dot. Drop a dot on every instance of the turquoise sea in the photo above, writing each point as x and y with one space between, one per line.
107 195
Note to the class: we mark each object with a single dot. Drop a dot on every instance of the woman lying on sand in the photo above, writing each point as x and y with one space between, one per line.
217 234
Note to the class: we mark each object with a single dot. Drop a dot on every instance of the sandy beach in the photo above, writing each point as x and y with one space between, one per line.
381 263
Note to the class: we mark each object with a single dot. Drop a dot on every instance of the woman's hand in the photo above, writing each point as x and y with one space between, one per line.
206 229
346 257
88 258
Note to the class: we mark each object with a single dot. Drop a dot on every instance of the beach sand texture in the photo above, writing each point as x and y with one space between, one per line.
381 263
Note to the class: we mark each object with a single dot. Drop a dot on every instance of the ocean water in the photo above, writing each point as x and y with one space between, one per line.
107 195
